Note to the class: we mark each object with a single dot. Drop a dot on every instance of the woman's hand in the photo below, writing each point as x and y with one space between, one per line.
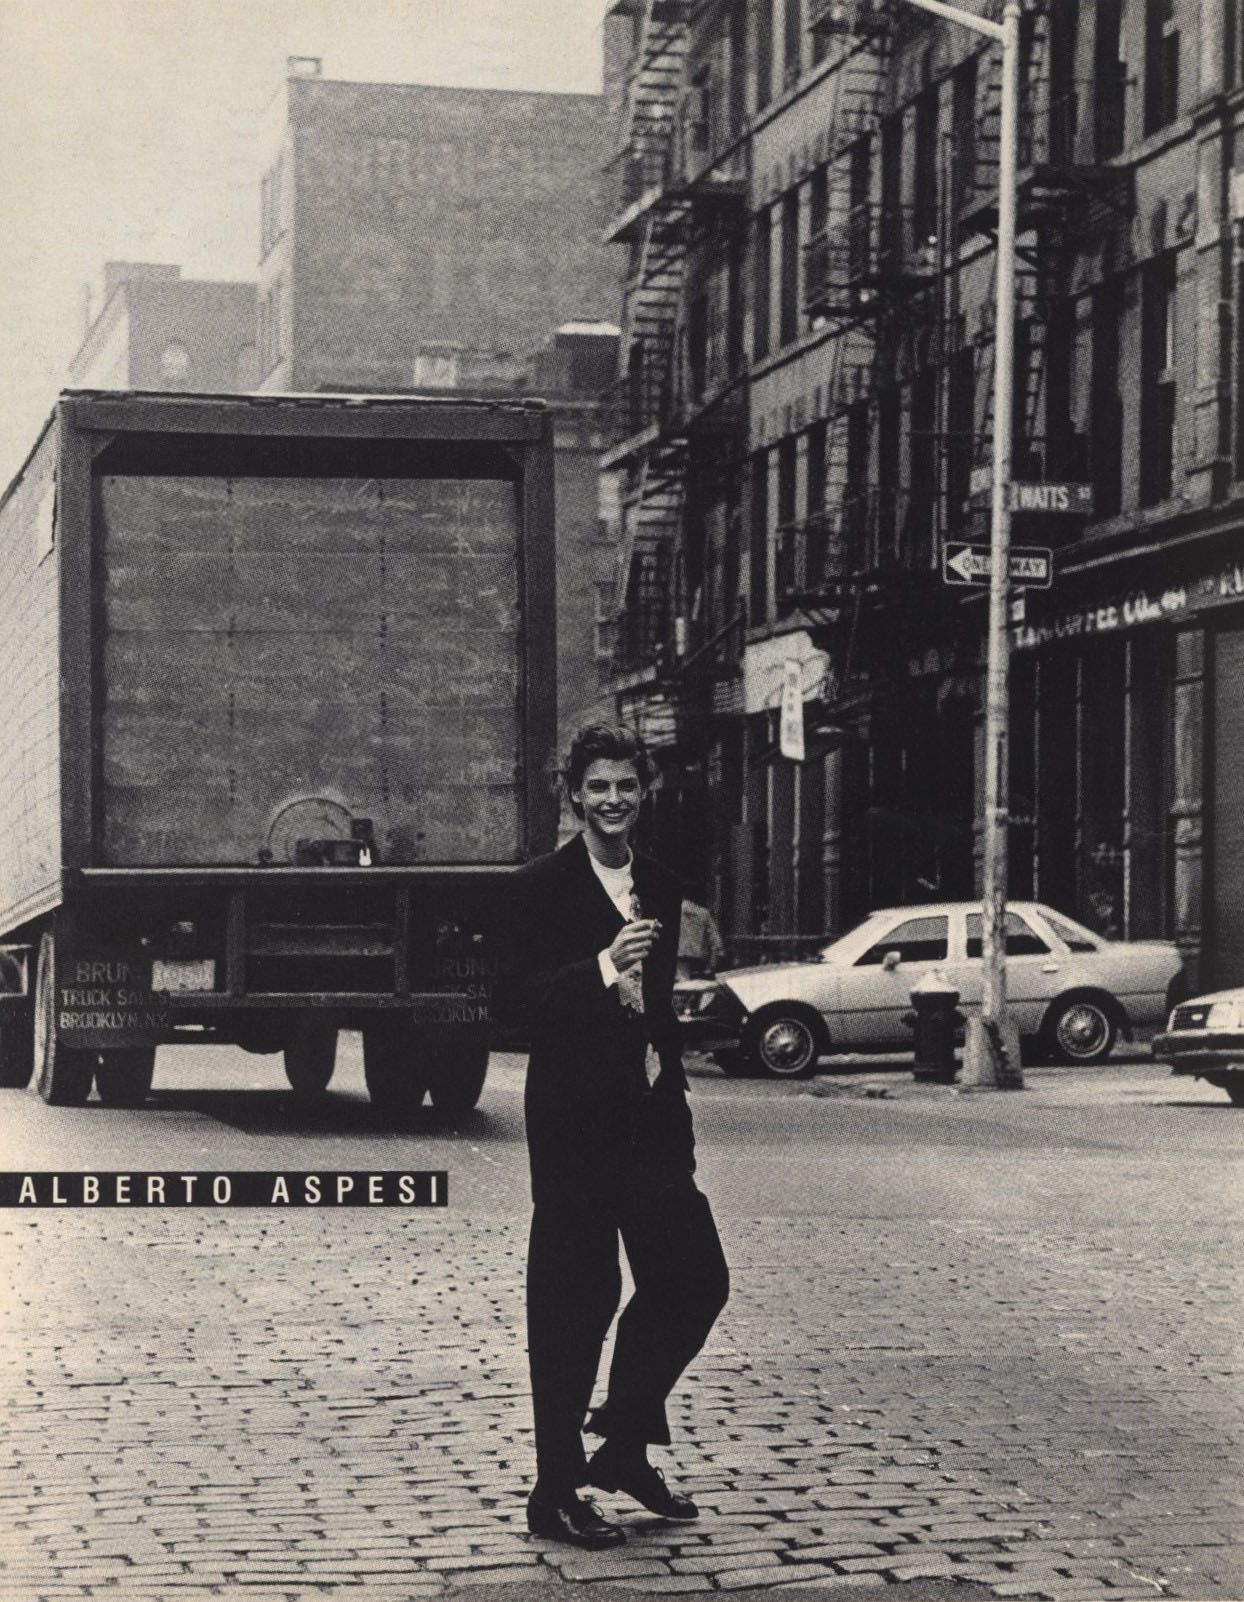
633 943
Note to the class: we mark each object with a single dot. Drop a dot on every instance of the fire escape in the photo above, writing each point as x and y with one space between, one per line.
889 285
674 187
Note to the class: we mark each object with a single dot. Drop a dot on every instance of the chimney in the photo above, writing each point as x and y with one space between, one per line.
304 66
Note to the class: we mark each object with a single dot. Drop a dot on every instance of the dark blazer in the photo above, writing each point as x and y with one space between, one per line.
594 1126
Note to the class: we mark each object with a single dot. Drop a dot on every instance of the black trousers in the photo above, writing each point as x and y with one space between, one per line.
574 1285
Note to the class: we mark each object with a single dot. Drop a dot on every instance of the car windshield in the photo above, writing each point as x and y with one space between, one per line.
848 947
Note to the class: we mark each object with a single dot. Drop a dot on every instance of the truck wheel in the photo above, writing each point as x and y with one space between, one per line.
310 1056
17 1046
123 1078
394 1066
63 1074
458 1069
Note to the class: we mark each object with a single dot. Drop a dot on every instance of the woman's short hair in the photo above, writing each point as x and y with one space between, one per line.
604 742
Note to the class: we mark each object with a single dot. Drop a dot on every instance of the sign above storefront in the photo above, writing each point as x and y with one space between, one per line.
1137 607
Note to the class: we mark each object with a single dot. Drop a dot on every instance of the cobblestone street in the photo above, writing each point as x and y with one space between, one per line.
988 1339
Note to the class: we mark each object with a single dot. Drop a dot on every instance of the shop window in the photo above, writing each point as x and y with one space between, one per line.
1022 940
917 940
1161 64
761 274
788 459
1157 388
789 267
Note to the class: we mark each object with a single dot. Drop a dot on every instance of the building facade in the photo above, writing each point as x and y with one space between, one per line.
158 330
807 194
416 235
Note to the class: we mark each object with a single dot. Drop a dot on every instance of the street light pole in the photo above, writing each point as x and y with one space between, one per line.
992 1050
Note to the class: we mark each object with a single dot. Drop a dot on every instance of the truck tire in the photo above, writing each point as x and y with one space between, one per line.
457 1070
123 1078
310 1057
394 1066
63 1074
17 1046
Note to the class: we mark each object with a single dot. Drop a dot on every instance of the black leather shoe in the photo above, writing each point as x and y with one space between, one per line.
573 1520
636 1477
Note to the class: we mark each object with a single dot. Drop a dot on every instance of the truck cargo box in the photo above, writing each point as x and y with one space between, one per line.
231 624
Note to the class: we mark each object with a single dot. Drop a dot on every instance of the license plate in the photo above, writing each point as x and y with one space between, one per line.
196 974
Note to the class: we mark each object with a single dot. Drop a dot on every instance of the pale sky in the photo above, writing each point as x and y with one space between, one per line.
127 132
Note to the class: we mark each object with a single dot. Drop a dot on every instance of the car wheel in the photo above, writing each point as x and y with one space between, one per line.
784 1042
1231 1082
1080 1029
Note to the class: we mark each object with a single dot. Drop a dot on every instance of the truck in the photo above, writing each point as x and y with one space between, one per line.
278 723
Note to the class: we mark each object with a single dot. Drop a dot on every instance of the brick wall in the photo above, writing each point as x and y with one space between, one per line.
431 217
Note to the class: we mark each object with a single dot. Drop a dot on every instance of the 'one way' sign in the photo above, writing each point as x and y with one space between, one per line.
963 563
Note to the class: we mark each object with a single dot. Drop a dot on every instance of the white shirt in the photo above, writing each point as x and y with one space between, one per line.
619 886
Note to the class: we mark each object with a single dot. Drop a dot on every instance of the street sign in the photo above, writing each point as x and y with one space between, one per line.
963 563
1036 495
1051 495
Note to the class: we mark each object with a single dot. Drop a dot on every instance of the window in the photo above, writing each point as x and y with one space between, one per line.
737 88
788 458
271 205
924 208
1161 65
1157 386
789 311
1071 935
793 40
604 627
1022 940
764 53
761 268
735 312
917 940
960 423
963 119
1106 423
1109 81
758 602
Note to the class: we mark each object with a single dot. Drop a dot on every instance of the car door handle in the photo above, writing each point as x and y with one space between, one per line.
1049 967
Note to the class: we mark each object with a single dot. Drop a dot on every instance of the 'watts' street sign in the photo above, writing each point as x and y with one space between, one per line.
1031 565
1042 496
1036 495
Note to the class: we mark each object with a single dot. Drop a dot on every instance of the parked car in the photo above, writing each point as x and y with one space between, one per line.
1205 1038
1074 992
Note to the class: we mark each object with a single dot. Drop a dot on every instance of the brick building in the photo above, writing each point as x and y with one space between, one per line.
416 235
807 191
158 330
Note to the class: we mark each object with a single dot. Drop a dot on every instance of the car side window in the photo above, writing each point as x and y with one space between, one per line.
917 940
1074 939
1022 940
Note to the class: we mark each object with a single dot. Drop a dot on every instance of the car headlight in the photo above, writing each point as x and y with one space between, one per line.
1224 1015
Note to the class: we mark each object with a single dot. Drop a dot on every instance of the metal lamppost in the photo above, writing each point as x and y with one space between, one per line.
992 1055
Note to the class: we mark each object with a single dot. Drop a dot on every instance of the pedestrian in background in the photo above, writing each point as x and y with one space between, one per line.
593 942
700 946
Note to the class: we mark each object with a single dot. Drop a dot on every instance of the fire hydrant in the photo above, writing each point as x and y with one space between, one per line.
935 1018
